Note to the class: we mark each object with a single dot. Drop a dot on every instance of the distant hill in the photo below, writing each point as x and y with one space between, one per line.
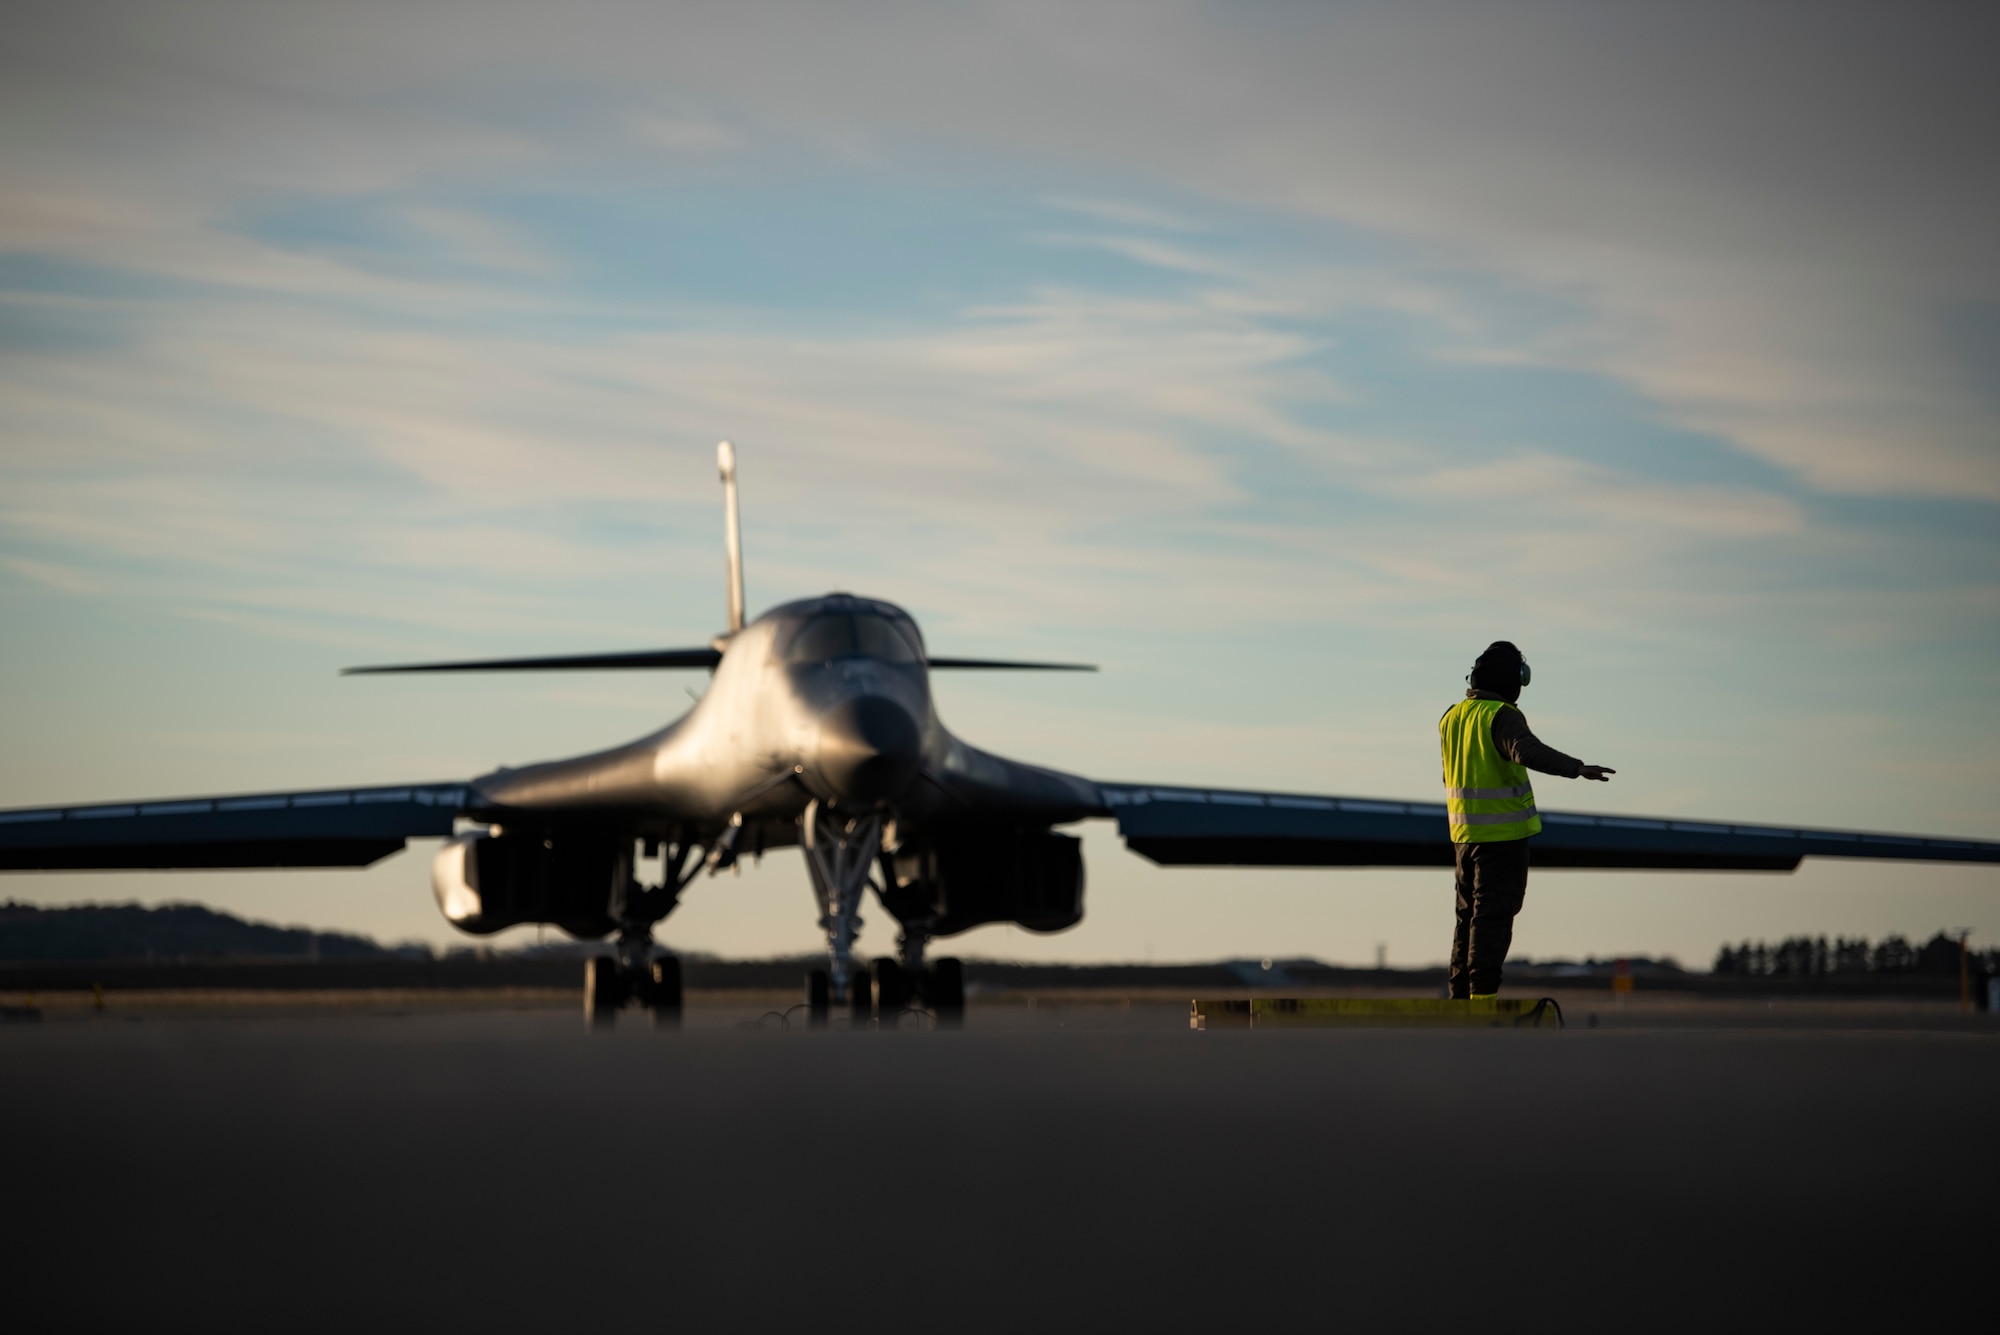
172 931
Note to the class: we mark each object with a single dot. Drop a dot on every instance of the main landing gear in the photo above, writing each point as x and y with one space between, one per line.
635 974
939 989
609 985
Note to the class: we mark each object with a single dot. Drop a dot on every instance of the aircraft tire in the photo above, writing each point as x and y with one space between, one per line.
892 992
666 992
860 999
819 993
948 993
601 992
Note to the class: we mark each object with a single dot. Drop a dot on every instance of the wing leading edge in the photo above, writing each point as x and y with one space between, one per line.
670 658
1196 827
1170 826
346 827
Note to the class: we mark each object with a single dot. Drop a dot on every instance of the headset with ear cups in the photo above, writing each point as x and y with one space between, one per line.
1527 673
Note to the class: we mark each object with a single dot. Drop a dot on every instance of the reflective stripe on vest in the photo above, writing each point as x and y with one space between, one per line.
1487 797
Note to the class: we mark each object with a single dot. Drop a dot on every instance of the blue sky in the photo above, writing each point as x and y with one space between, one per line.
1275 359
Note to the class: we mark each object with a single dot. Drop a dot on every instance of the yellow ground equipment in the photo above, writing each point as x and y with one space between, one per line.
1372 1012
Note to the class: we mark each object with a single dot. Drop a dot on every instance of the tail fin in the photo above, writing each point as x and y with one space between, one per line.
725 458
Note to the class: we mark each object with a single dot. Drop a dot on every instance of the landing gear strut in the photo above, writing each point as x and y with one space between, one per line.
634 973
839 852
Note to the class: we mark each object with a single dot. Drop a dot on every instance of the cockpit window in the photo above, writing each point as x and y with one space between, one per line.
839 636
881 638
822 638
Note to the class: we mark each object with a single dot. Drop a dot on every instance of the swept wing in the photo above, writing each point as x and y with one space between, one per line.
335 827
1199 827
671 658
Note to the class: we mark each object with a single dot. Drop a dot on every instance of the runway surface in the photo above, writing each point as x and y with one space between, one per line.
1062 1168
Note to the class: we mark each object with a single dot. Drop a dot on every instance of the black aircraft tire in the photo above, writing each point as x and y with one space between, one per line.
819 993
892 992
860 998
600 991
948 993
666 992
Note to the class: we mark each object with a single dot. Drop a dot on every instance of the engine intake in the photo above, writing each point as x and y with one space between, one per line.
1033 878
486 882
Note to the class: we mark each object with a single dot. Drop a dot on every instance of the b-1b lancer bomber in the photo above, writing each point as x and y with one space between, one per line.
818 729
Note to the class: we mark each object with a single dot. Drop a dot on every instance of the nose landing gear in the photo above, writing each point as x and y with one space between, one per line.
839 852
820 1004
897 991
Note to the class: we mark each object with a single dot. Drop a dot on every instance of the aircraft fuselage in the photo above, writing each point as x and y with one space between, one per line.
826 699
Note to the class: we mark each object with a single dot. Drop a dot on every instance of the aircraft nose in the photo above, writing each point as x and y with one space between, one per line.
869 749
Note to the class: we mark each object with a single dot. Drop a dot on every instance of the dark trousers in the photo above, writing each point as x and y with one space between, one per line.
1492 882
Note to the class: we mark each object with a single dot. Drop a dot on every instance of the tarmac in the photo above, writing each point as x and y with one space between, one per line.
1077 1163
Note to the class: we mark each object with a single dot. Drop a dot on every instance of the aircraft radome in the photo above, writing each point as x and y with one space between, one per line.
819 730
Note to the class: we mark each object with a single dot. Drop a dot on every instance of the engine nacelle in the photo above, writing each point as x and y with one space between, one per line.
1033 878
485 882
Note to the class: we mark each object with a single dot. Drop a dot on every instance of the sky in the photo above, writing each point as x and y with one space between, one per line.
1276 357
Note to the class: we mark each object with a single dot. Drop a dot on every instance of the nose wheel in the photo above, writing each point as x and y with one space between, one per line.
820 1004
897 990
840 851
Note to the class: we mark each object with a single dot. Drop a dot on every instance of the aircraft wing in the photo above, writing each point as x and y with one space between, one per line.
348 827
1195 827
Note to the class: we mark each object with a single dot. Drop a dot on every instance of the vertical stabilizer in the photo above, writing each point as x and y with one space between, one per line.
725 458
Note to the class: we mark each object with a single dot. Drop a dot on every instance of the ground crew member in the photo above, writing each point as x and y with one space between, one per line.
1488 752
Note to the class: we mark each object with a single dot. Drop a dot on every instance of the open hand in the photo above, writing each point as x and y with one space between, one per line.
1597 772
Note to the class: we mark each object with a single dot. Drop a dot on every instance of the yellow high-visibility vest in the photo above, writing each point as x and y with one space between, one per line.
1488 797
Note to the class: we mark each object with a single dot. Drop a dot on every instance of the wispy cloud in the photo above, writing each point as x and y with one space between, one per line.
1538 487
48 574
687 134
1125 213
474 239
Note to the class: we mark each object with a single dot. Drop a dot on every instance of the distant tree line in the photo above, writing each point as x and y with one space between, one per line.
1816 957
171 931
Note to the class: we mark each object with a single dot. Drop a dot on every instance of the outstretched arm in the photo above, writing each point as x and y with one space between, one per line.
1520 745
